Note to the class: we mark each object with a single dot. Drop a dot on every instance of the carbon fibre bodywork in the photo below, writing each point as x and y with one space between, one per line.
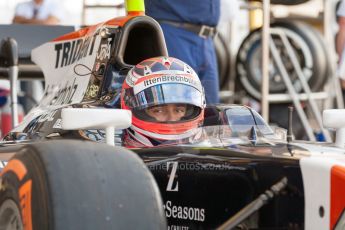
202 188
204 184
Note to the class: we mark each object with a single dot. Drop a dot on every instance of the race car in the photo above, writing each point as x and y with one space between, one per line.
58 173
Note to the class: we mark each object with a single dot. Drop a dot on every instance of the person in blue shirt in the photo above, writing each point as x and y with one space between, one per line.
340 43
43 12
189 27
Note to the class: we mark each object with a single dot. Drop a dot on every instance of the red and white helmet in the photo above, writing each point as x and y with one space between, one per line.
161 81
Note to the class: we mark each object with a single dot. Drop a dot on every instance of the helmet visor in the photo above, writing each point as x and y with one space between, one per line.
165 94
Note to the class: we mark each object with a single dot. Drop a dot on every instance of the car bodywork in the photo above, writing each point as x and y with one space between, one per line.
205 181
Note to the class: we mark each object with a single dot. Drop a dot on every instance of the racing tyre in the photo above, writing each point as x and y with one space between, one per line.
323 65
65 185
308 49
223 60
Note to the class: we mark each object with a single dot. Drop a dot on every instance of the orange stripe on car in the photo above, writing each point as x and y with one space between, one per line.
17 167
77 34
89 30
337 194
25 204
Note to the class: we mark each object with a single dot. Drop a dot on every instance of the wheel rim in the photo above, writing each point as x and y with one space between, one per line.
10 217
249 63
304 57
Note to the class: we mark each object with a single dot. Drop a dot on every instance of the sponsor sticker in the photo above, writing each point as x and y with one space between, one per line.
97 66
172 183
64 95
104 51
70 52
177 227
184 212
57 124
47 117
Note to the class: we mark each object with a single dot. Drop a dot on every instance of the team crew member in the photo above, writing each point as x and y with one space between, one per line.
167 102
340 40
44 12
41 12
189 28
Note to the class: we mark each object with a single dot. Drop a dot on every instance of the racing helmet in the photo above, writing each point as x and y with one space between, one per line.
156 82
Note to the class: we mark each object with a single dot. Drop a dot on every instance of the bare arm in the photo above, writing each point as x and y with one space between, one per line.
51 20
340 41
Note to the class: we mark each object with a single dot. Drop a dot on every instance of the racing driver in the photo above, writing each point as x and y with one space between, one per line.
167 102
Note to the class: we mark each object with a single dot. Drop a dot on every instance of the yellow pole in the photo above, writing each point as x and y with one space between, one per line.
135 6
255 16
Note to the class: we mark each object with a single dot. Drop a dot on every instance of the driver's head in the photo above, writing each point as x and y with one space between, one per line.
166 99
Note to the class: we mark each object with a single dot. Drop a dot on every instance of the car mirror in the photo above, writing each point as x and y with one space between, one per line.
334 119
96 118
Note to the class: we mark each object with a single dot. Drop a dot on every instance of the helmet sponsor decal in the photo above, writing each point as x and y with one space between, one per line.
167 79
132 78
